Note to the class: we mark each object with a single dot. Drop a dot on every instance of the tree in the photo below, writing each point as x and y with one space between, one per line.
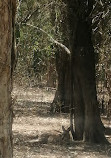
86 112
82 75
59 20
35 54
102 38
7 14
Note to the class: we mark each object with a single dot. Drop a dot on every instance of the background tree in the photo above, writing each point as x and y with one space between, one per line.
101 32
36 53
62 97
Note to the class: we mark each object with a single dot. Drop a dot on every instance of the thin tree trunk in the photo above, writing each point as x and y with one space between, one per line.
63 93
62 96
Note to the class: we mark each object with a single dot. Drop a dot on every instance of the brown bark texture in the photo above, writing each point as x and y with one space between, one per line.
6 30
88 125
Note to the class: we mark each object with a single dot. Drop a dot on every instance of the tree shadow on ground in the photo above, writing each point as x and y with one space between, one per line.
25 141
34 108
72 148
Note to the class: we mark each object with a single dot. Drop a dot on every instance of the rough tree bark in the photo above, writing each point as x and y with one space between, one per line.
86 112
6 14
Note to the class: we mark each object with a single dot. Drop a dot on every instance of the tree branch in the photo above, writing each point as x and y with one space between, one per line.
51 38
28 16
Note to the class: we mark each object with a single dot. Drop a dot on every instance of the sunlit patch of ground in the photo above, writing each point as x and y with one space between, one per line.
33 124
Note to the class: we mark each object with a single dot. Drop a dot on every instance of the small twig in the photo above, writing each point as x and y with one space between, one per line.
28 16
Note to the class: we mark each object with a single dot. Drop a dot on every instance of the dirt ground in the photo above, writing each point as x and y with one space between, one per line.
37 133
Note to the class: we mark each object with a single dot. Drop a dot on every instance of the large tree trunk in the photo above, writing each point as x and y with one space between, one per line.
86 112
5 79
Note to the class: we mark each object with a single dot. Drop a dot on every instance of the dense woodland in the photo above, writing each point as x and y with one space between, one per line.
66 45
38 28
63 46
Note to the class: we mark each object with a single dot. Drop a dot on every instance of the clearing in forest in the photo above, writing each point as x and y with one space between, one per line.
37 132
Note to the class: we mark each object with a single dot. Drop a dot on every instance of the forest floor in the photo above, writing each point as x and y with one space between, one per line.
36 131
